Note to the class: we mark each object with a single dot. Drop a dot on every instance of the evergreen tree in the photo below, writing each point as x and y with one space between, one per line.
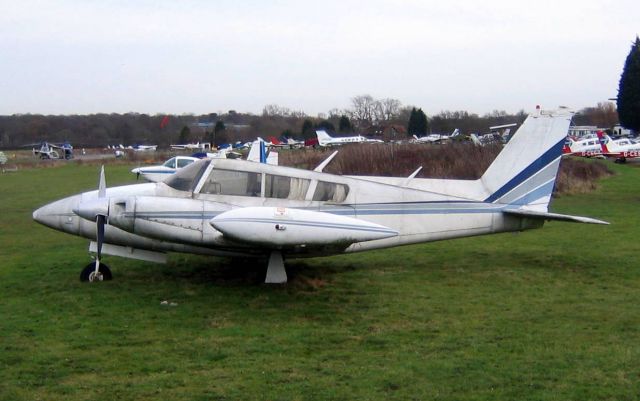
418 124
185 135
344 125
307 129
326 125
220 133
629 90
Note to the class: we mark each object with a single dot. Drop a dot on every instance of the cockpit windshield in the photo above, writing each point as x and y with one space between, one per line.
171 163
187 178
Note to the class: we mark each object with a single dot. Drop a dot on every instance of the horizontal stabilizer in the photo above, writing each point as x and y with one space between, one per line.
552 216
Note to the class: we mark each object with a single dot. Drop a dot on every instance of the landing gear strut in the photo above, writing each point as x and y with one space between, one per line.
276 274
90 273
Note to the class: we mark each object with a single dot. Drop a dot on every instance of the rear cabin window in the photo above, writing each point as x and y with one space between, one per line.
231 182
281 187
184 162
330 192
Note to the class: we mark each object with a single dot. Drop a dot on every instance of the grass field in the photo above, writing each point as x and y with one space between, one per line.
549 314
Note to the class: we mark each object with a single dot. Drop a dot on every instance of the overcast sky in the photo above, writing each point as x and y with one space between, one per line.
78 57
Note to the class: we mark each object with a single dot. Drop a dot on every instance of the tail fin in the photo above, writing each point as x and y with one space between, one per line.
524 173
604 140
323 137
475 139
257 152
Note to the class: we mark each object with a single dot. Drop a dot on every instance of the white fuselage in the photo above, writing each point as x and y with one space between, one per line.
159 217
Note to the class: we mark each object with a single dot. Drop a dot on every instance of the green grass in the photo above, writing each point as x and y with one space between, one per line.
547 314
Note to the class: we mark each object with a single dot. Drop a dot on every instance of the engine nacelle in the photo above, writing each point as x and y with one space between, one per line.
279 227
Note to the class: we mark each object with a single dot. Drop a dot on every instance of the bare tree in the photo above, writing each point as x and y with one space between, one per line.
362 112
273 110
388 109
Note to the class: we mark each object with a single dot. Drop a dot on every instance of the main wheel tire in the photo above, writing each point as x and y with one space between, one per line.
88 273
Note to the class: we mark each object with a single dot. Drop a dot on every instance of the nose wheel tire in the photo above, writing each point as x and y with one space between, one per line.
89 273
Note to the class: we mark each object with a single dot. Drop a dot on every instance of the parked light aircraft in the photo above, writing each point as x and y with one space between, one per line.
158 173
325 139
143 148
289 143
161 172
586 147
238 208
49 150
192 146
436 138
620 149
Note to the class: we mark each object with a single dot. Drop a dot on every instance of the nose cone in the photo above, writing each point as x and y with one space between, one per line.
47 215
57 215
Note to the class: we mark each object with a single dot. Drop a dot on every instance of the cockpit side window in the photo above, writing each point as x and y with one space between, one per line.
330 192
281 187
232 182
187 178
184 162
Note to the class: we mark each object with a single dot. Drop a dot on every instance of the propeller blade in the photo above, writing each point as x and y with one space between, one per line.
100 222
102 186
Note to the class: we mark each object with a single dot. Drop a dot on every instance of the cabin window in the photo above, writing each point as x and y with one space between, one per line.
187 178
231 182
330 191
281 187
184 162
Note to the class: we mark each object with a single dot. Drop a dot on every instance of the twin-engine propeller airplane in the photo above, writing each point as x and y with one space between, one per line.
239 208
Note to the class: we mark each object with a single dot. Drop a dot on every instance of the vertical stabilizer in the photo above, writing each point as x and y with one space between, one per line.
323 137
524 173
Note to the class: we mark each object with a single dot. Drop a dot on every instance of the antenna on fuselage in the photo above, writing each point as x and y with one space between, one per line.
324 163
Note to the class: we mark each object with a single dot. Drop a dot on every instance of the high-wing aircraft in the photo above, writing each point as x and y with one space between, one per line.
325 139
192 146
238 208
49 150
620 149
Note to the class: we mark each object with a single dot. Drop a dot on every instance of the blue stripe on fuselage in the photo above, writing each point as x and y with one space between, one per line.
548 157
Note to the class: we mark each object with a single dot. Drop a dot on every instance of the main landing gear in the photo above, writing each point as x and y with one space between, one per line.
92 273
276 273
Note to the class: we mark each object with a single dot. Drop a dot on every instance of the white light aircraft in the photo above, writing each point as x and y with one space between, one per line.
158 173
325 139
620 149
585 147
192 146
238 208
161 172
435 138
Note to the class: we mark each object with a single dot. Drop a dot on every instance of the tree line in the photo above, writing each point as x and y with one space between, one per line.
381 118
